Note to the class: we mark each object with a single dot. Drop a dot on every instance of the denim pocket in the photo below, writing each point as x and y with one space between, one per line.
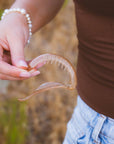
75 129
73 134
106 139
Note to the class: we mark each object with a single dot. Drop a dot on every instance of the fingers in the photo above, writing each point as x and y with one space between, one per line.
5 77
12 64
6 57
17 51
13 71
1 53
10 72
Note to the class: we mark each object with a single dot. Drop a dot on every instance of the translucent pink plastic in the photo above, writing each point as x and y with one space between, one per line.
52 58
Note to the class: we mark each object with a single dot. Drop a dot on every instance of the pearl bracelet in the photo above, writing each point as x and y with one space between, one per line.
22 11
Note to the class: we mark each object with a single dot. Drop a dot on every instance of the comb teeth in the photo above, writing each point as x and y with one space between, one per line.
55 61
60 61
62 66
65 69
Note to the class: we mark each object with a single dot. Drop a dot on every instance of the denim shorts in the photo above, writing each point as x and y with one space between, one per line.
89 127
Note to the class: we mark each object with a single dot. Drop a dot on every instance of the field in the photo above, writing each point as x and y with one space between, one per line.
42 119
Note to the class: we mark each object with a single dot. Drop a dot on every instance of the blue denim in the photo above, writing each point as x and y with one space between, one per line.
89 127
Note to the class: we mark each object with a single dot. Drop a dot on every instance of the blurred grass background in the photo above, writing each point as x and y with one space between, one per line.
13 122
1 11
42 119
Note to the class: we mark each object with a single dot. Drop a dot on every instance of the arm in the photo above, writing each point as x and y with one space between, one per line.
14 35
41 11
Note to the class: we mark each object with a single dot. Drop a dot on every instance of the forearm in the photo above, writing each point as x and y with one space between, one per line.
41 11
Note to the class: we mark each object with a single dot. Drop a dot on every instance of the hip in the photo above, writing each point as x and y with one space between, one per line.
89 127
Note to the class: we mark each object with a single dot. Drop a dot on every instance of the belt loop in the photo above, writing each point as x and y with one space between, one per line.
98 127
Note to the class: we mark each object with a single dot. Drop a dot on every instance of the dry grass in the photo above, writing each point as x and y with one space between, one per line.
49 112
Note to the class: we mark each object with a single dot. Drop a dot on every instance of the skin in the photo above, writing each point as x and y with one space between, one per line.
14 35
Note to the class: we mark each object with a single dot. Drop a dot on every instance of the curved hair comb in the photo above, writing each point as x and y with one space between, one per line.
50 58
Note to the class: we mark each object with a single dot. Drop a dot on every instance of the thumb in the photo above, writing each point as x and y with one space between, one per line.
17 53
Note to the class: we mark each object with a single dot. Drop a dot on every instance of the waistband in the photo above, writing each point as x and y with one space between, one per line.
93 118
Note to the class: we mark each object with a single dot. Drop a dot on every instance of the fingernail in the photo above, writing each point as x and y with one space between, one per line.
22 64
25 74
35 73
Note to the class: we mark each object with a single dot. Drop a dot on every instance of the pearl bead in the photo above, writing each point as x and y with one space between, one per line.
28 18
29 22
28 41
30 33
18 9
27 15
14 9
30 25
6 11
22 11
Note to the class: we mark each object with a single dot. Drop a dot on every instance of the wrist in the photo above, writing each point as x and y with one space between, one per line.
23 13
15 24
31 9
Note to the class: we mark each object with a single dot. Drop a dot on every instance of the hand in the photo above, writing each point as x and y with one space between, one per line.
13 38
